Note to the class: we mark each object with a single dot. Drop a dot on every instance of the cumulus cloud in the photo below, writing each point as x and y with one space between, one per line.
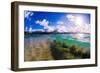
61 28
30 29
26 28
70 17
79 20
78 25
44 22
49 28
81 26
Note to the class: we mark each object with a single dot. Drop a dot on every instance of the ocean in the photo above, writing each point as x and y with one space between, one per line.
81 40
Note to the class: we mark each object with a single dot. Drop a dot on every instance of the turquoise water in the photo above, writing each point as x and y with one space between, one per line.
82 40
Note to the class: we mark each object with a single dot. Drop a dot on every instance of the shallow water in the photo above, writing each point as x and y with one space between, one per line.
41 46
82 40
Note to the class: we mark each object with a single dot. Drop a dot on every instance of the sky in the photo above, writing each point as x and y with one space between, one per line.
56 21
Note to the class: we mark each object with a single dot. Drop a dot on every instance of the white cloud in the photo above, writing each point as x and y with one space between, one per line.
44 22
81 26
49 28
79 20
78 25
61 28
28 13
70 17
26 28
30 29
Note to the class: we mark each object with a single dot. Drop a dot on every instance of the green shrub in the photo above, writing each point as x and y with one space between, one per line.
61 50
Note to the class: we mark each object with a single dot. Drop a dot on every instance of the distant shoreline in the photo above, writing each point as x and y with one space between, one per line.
38 32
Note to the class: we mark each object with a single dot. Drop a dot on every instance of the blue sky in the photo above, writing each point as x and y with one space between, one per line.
54 20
